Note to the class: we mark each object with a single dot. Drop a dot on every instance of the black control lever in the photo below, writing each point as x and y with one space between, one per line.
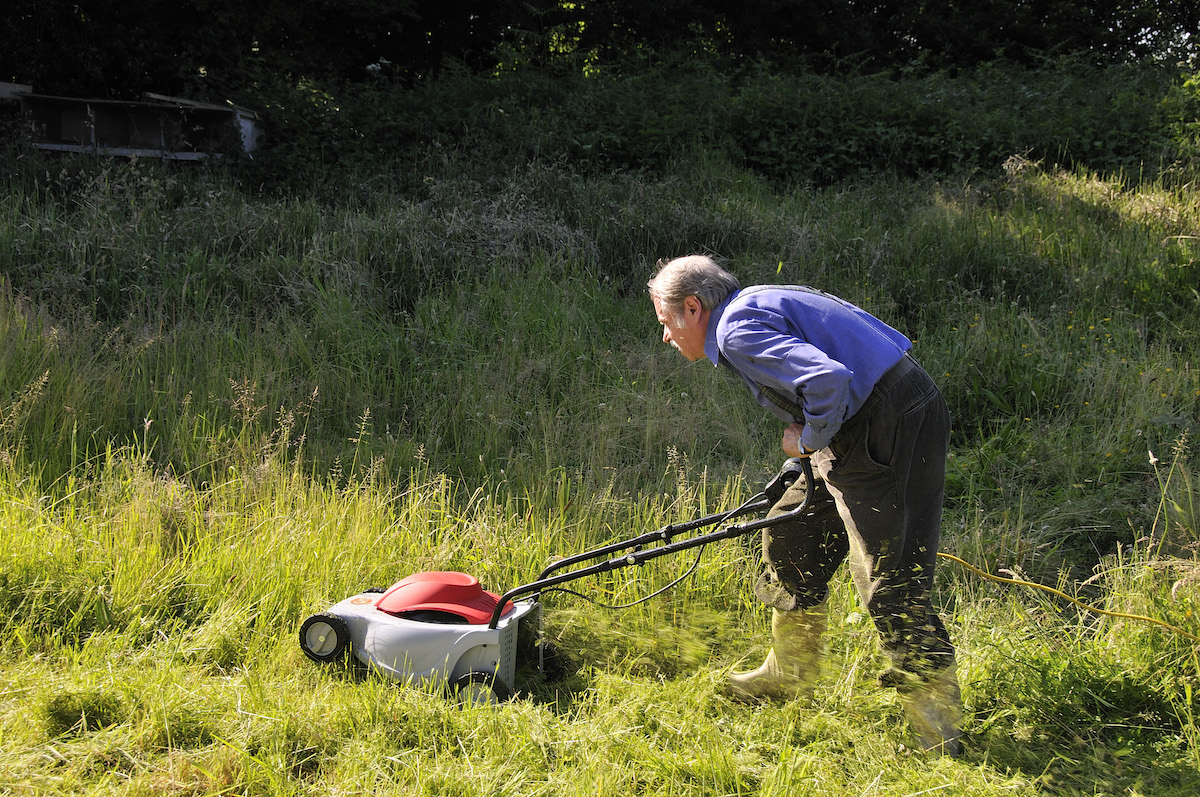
787 476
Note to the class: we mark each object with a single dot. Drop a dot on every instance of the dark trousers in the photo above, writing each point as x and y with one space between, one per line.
878 501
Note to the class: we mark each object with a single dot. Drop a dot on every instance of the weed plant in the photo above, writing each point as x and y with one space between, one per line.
221 412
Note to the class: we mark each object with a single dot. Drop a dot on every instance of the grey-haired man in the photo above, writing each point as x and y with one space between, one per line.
877 430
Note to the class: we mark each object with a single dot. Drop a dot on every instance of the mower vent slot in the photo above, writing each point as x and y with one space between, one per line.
434 616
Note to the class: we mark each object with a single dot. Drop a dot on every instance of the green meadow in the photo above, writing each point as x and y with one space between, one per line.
227 404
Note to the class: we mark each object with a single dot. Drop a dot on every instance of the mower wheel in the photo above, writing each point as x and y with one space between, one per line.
324 637
479 687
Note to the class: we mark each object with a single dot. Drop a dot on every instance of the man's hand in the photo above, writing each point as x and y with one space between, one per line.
791 441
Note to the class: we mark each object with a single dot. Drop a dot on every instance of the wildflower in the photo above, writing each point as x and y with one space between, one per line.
1153 459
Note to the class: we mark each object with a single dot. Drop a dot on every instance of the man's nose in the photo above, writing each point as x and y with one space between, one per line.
666 335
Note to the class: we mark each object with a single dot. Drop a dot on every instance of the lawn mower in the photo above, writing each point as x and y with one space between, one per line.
442 629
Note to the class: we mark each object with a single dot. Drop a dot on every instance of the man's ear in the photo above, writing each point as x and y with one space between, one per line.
692 306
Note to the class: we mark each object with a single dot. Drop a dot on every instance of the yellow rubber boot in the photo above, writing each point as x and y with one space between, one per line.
934 710
790 669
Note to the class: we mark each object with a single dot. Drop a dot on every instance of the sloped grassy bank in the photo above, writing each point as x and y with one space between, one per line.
220 412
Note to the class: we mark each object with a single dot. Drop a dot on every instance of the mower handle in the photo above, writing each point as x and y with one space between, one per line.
791 470
787 476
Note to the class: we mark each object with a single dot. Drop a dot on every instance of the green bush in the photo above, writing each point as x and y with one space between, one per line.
792 128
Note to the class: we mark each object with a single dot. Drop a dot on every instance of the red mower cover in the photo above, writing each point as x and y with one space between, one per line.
441 591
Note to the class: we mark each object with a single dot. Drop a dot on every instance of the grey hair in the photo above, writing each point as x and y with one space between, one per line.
693 275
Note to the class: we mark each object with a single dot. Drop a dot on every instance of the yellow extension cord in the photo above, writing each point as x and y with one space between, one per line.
1066 597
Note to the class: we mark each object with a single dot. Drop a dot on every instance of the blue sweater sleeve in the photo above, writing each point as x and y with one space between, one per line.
796 369
821 352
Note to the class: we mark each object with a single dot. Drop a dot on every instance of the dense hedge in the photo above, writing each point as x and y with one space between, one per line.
1135 119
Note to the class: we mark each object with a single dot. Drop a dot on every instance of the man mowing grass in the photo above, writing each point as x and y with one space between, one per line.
877 430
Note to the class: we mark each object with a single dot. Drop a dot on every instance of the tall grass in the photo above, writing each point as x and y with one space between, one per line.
221 412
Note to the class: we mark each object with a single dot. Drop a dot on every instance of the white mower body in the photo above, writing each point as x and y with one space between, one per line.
430 629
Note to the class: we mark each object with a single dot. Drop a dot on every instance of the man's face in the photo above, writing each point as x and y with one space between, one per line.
685 330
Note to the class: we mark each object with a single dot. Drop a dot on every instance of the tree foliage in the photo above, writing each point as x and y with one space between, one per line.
119 48
213 48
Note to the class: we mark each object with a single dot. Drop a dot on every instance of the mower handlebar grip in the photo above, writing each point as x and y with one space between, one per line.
792 469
